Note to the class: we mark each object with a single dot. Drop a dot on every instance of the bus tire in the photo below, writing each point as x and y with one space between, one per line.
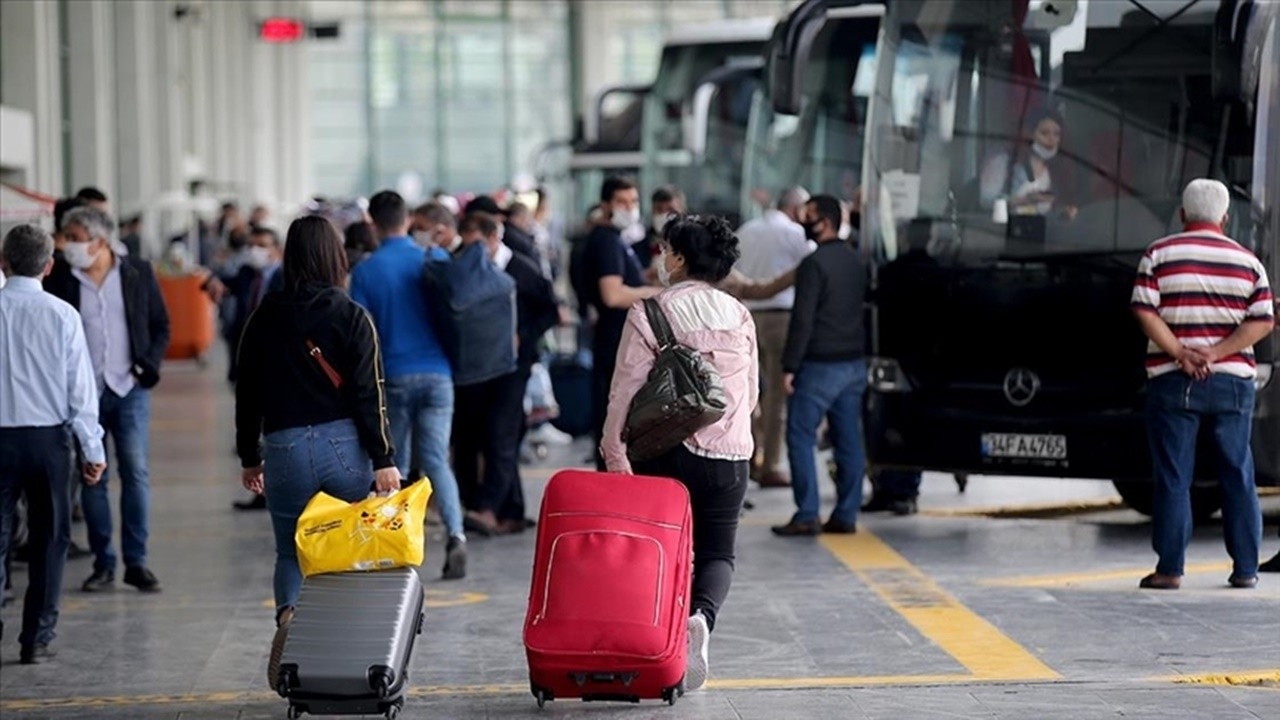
1205 499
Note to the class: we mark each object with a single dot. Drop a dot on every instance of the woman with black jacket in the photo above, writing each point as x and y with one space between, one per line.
311 379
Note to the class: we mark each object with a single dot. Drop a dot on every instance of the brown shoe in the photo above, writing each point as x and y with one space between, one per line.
277 647
1240 582
512 526
773 479
482 522
839 527
1156 581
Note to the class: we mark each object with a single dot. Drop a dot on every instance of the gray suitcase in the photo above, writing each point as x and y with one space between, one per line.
349 644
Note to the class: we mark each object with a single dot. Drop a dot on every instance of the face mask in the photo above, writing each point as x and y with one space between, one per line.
257 258
422 238
1043 152
623 219
811 229
660 222
78 255
664 275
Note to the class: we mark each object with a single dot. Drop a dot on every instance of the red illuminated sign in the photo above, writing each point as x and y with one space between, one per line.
281 30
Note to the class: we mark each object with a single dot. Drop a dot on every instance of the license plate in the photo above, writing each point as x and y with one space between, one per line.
1030 447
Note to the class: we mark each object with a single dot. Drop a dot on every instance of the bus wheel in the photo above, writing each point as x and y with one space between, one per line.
1205 499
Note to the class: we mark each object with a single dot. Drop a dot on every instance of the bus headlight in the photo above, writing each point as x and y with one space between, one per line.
1264 376
885 375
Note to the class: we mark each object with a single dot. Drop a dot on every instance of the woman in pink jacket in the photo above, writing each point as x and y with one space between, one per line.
695 254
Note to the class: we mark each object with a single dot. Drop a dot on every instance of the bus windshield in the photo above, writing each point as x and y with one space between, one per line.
821 148
1025 129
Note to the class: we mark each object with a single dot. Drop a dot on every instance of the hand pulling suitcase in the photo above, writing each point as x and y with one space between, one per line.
349 644
609 603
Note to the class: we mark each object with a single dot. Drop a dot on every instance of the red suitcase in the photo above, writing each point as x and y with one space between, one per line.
609 603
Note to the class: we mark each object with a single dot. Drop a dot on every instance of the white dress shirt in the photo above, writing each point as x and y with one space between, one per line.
106 330
46 378
771 245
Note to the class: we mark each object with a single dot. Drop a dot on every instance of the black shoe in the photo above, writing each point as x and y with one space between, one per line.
904 507
1272 565
99 581
879 502
36 654
257 502
796 529
1241 582
839 527
75 552
141 578
455 559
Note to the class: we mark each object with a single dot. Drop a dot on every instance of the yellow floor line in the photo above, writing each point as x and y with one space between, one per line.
1049 509
975 643
1269 678
1071 579
490 690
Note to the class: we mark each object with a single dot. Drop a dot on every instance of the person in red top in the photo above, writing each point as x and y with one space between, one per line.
1204 301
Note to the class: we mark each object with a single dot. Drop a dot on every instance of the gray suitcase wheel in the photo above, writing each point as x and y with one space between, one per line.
295 712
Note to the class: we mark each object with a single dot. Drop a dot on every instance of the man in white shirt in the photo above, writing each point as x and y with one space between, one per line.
48 394
772 245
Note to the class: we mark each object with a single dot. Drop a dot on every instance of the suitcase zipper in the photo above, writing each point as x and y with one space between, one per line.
620 516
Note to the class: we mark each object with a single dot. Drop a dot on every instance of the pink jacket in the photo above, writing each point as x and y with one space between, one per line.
707 320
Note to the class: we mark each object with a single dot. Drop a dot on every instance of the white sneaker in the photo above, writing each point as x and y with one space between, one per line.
695 674
550 435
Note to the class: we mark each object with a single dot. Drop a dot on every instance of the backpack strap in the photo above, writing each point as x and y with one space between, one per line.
658 323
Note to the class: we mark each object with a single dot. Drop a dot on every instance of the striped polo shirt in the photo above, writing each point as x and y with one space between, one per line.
1204 285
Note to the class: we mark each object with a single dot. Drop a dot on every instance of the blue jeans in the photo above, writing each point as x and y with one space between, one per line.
1177 407
834 390
127 421
298 463
423 404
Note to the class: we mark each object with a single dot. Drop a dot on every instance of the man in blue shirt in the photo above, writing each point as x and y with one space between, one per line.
48 397
419 381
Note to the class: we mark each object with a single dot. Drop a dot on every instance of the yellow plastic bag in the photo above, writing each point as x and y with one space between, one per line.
374 534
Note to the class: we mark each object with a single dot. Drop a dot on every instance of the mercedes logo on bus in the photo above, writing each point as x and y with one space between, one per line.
1021 386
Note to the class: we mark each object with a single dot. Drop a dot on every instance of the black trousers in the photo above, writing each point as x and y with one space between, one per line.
488 422
37 462
716 490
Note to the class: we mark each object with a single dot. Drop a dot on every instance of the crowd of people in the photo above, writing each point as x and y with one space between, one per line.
352 371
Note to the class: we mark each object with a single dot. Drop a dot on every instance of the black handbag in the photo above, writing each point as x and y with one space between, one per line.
683 394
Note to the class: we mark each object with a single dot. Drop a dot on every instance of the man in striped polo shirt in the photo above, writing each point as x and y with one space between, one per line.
1204 302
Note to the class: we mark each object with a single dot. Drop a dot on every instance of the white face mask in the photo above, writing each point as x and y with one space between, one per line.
664 275
623 219
78 255
660 222
1043 152
422 238
257 258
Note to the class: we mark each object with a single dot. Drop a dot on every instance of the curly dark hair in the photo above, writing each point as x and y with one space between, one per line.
707 244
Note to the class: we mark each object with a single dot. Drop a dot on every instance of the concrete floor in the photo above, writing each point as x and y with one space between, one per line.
952 613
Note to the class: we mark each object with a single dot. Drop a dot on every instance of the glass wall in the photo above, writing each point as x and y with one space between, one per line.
418 95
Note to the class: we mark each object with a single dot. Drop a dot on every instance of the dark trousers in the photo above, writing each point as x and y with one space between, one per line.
601 379
488 421
716 490
37 462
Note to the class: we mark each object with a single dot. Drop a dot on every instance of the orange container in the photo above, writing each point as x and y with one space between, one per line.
191 315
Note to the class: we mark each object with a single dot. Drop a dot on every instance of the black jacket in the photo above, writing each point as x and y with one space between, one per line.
827 319
144 312
282 385
519 241
537 308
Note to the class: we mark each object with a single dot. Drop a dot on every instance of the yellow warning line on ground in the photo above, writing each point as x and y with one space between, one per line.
1085 578
492 690
1269 678
1031 510
975 643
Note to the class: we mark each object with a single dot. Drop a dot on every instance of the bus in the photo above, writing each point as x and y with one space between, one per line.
695 114
1002 337
609 144
806 124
